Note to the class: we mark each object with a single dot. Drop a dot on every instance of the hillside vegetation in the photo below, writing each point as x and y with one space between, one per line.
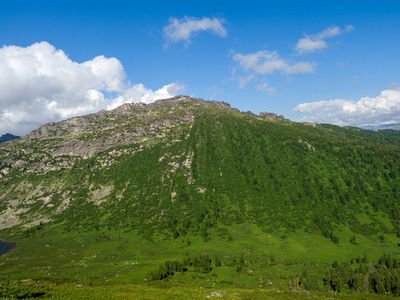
195 193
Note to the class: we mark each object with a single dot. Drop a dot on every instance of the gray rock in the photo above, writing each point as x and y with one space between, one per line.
268 115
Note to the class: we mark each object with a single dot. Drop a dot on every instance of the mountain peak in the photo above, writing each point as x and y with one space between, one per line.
8 137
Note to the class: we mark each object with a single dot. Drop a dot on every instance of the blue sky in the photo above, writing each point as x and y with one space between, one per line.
324 61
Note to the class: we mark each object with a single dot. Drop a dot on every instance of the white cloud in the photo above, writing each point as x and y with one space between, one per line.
39 84
265 87
183 29
139 93
382 109
312 43
266 62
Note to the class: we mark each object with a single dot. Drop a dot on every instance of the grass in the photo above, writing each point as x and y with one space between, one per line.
76 290
127 258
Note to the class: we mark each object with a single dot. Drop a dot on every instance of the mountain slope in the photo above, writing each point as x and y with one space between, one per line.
186 175
214 165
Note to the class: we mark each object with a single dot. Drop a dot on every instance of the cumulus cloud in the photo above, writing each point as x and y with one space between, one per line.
315 42
139 93
39 84
266 62
383 109
183 29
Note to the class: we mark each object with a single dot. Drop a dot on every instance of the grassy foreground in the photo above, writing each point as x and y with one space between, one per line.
44 289
126 257
117 265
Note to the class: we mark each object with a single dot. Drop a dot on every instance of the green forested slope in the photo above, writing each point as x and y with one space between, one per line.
281 176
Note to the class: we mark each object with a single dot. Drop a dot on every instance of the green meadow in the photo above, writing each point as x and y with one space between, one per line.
99 263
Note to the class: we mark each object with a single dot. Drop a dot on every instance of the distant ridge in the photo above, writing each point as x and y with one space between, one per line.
381 127
7 137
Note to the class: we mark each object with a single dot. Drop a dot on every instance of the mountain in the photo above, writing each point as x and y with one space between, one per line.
7 137
185 178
